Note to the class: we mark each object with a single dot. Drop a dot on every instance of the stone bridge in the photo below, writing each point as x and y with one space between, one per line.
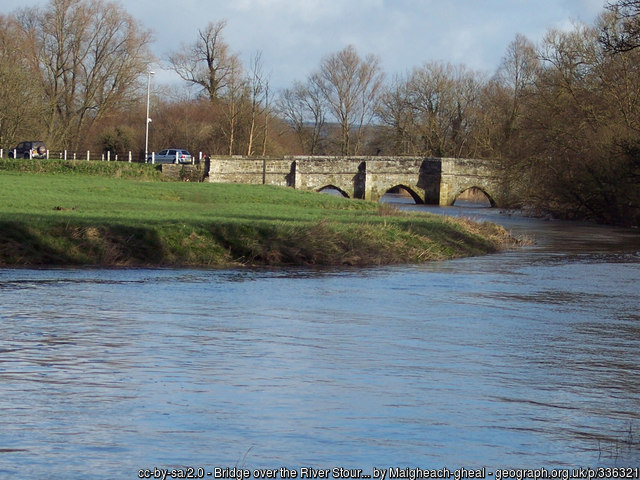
436 181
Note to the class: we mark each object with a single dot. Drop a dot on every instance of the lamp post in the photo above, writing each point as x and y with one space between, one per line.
147 120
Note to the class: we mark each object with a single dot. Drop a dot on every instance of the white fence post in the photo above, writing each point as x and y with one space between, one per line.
14 153
74 155
129 156
88 155
108 155
65 155
153 157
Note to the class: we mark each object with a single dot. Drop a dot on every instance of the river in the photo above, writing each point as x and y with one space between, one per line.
528 358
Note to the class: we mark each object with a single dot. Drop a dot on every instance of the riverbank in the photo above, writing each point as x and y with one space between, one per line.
117 214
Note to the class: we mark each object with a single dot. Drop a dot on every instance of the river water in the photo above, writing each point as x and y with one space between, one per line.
528 358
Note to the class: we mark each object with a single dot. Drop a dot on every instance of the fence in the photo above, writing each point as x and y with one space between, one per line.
108 157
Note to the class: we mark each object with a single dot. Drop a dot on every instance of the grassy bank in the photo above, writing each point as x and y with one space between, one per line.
138 171
97 213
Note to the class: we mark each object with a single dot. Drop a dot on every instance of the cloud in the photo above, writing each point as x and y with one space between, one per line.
294 35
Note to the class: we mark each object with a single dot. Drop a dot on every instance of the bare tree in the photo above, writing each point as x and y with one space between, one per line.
302 106
395 111
443 99
258 86
235 99
350 86
434 110
517 73
208 62
91 54
622 34
581 129
21 95
267 117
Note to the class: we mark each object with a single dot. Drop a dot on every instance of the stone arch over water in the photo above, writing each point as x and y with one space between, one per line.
474 195
332 189
400 191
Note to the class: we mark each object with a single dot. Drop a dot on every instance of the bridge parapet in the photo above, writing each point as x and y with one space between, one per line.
252 170
344 173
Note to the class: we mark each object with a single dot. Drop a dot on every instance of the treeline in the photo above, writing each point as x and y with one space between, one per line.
560 119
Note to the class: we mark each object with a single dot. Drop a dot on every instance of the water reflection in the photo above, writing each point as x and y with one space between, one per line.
473 198
398 196
556 238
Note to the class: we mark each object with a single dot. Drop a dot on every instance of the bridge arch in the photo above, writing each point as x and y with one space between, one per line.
329 189
474 194
404 189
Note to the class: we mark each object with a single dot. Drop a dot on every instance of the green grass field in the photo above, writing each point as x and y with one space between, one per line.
99 213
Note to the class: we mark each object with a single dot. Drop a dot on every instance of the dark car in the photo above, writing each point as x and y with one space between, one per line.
34 149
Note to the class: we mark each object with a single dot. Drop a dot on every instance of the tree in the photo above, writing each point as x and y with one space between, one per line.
503 106
118 139
517 73
235 100
433 110
582 129
396 113
259 88
208 62
20 94
350 86
267 118
302 106
90 55
622 33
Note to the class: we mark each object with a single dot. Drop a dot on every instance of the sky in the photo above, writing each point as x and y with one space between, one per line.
294 36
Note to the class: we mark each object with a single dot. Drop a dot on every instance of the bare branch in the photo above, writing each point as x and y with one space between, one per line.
207 62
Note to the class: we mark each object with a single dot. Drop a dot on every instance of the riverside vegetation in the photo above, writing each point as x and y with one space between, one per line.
120 214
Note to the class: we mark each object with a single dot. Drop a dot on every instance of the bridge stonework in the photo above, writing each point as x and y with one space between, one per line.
460 174
436 181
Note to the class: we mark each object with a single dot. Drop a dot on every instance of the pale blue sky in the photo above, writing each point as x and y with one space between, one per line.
294 35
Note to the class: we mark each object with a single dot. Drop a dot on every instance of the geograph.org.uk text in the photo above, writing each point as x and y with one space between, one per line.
391 473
